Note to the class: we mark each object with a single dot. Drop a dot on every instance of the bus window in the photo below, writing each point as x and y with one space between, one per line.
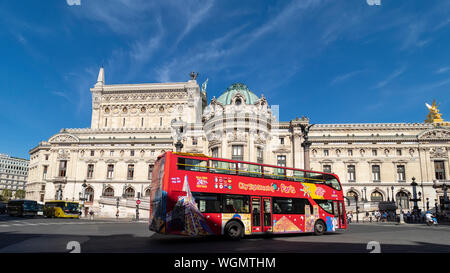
189 164
326 205
331 181
236 204
299 176
222 167
274 173
283 205
316 178
249 170
207 203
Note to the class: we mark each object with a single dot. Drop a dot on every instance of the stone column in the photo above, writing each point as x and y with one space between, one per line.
306 162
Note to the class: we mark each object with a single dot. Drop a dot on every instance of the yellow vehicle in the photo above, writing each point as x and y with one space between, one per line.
61 209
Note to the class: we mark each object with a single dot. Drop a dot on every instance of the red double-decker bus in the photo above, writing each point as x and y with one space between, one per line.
193 194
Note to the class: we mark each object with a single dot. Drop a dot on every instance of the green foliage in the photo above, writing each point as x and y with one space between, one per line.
6 194
20 194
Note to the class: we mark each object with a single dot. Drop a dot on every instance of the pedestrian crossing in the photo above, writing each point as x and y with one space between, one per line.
6 221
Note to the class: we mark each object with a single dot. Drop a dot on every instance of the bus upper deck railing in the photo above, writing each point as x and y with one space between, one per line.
260 174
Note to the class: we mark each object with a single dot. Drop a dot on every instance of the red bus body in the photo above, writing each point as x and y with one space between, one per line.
199 199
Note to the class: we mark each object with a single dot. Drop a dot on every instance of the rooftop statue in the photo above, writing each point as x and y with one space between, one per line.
433 116
204 85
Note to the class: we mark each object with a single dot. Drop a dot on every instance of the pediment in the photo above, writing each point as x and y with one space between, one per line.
64 137
435 134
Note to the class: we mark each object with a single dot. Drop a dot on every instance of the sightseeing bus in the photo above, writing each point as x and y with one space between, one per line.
192 194
22 208
61 209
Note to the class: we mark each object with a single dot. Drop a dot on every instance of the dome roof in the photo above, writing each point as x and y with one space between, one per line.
225 98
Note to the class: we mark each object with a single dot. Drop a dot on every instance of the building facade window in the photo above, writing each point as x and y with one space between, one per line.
325 152
237 152
129 192
259 155
402 200
92 152
376 172
90 171
374 152
350 152
401 173
281 160
439 170
110 171
89 194
376 196
44 172
150 171
62 168
131 152
282 140
215 152
130 172
351 173
108 192
399 152
327 168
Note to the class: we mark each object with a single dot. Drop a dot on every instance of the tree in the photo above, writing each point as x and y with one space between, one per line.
20 194
6 194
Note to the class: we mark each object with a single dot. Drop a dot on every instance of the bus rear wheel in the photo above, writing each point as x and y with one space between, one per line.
319 228
234 230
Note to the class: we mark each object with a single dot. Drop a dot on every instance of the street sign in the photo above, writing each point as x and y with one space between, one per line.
138 202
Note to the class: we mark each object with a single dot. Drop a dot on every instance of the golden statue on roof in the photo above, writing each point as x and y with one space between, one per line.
434 116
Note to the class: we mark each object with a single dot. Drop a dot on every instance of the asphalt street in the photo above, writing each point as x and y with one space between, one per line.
41 235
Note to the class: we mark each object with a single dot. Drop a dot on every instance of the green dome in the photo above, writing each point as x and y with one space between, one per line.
225 98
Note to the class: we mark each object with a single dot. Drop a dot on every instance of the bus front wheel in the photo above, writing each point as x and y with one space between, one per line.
319 227
234 230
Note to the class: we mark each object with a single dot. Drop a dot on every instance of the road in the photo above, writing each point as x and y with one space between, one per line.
41 235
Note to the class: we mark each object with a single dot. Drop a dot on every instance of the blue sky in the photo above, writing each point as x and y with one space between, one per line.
335 61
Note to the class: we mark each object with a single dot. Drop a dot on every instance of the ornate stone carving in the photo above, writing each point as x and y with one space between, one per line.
438 152
435 134
63 138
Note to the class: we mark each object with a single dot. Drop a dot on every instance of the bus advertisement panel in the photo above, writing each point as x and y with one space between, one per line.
197 195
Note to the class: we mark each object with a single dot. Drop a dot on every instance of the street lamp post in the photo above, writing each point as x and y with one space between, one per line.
428 204
444 189
415 199
117 206
357 209
83 193
179 127
387 192
59 193
306 144
393 200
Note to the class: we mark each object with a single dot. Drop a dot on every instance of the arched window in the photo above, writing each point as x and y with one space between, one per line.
402 200
89 192
129 192
376 196
147 192
109 192
352 195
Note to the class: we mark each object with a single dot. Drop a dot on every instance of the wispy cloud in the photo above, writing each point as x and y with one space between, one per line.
390 78
344 77
442 70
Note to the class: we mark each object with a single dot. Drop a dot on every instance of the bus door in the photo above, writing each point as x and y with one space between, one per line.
339 213
267 213
261 214
343 223
256 214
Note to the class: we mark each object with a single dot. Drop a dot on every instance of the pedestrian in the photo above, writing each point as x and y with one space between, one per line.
91 214
117 214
